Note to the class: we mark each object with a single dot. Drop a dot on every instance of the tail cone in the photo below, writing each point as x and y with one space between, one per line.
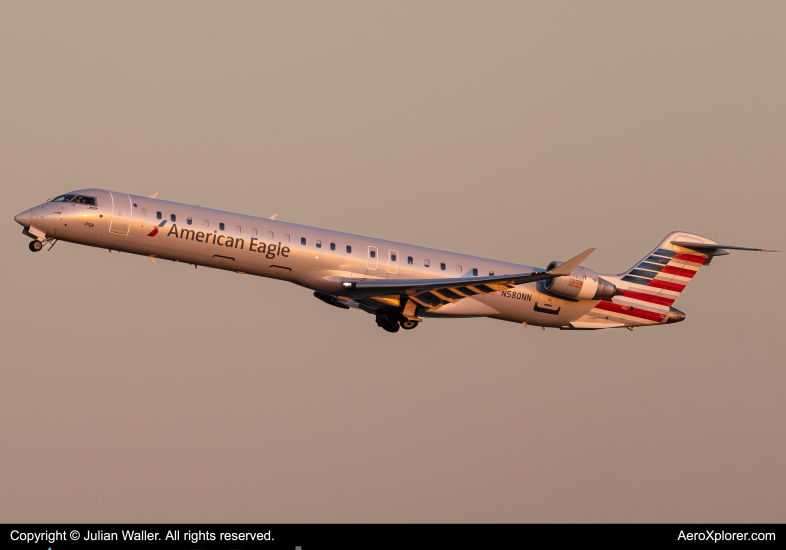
675 316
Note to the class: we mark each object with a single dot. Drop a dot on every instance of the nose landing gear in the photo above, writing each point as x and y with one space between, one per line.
37 244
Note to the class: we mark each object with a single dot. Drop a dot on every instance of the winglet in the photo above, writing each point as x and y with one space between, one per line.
568 267
154 195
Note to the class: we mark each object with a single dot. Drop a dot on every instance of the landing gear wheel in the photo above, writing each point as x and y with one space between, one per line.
409 325
35 246
385 323
390 327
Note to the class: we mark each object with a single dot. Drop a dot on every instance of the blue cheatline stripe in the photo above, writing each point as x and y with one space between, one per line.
643 273
658 259
651 267
661 252
637 280
162 223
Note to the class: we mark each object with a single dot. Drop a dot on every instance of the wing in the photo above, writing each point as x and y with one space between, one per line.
433 293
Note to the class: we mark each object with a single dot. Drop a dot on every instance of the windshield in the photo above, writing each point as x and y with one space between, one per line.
78 199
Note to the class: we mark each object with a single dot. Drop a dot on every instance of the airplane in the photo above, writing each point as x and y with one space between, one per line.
400 284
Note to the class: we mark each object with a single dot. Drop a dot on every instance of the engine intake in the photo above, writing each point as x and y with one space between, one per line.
582 284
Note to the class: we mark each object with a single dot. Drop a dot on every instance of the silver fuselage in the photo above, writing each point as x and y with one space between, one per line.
271 248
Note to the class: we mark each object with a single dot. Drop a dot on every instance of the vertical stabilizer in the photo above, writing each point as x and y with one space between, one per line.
662 275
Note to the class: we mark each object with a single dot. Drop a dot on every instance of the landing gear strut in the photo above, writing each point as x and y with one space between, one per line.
36 245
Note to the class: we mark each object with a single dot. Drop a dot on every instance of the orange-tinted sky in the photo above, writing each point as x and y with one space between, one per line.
526 132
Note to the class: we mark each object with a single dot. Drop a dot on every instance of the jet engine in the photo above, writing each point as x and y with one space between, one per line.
582 284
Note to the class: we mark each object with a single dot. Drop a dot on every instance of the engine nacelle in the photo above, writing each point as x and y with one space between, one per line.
582 284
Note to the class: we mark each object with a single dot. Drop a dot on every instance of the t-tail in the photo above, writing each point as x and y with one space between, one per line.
647 291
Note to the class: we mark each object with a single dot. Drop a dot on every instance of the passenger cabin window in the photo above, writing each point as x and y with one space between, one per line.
270 235
442 266
410 261
458 269
143 211
286 238
474 272
491 273
302 240
189 221
253 232
332 246
426 263
159 215
173 217
349 249
205 223
237 228
62 198
221 226
372 253
85 200
319 244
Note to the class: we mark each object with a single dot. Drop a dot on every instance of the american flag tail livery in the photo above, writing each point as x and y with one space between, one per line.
646 292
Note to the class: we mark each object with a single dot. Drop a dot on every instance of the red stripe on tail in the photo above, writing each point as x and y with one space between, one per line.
644 297
691 258
681 271
627 310
666 285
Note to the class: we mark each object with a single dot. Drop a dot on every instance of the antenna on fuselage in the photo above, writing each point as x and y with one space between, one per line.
154 195
273 217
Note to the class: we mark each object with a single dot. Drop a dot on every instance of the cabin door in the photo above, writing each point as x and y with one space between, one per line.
371 262
392 261
121 214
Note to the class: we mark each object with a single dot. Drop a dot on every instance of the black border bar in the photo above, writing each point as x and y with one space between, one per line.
236 536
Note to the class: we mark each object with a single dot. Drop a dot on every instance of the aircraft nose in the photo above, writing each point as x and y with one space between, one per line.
675 315
23 218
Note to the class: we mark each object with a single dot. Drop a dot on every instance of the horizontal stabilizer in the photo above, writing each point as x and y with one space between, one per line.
715 246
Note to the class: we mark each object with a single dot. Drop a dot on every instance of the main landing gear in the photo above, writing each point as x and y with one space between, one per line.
391 322
387 322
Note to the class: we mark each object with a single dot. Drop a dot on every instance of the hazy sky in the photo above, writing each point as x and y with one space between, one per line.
525 132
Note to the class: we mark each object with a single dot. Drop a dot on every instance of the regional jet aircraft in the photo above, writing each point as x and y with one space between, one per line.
400 284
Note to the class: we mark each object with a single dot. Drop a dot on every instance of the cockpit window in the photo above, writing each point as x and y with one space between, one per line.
78 199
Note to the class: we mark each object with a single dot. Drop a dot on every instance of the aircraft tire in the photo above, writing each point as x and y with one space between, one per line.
384 322
409 325
35 246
